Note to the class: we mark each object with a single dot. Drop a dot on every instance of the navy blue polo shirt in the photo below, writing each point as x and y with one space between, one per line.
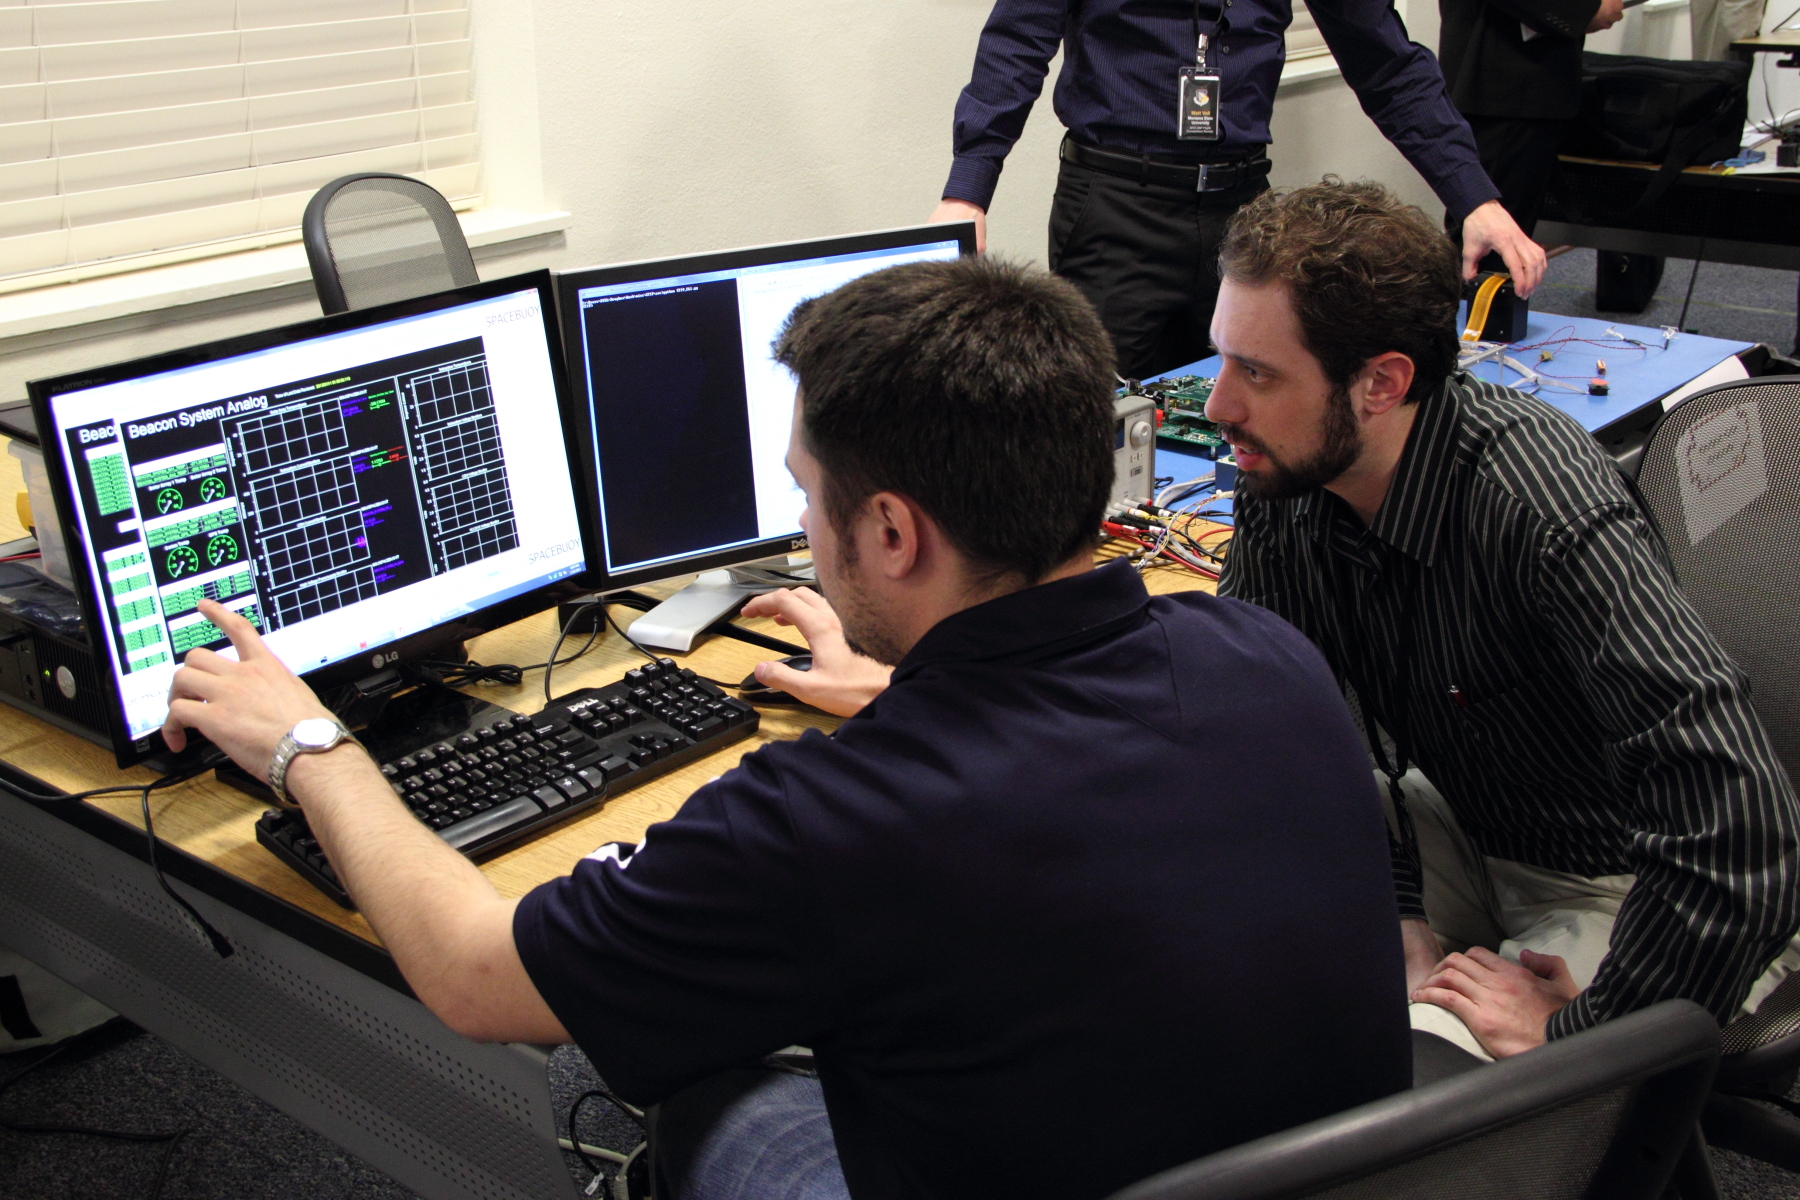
1099 885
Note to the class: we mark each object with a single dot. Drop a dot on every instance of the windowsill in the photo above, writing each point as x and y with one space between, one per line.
59 306
1312 67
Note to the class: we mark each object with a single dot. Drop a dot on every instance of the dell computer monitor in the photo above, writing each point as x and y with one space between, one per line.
686 412
353 486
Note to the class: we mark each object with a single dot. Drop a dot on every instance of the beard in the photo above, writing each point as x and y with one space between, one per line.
1341 444
865 632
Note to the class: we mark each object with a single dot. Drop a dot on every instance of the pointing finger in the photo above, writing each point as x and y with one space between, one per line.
243 635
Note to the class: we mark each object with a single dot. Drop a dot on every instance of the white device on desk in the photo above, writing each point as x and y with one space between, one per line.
1134 452
687 414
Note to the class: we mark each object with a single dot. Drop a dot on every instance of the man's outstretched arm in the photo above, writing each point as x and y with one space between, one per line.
449 931
1401 88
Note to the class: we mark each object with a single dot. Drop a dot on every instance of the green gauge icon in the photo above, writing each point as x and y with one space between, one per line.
221 548
168 500
212 488
182 561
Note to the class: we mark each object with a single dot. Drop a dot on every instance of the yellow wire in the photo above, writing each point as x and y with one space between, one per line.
1478 308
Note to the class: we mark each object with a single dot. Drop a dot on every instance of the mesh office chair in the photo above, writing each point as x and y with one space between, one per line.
1721 477
374 238
1599 1114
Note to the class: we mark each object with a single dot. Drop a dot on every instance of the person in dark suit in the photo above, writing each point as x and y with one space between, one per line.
1514 72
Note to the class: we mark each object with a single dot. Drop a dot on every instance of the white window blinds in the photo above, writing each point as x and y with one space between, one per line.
132 127
1303 37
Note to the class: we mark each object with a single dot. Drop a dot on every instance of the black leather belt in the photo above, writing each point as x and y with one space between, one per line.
1149 168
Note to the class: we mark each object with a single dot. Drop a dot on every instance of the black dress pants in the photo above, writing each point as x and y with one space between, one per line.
1519 155
1147 256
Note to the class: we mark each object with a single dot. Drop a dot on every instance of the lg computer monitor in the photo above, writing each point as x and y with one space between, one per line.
358 487
686 413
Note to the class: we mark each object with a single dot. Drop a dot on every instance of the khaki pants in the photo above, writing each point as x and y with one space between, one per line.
1474 900
1714 24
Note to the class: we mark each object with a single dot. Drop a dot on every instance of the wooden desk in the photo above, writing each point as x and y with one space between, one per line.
1784 41
215 823
309 1013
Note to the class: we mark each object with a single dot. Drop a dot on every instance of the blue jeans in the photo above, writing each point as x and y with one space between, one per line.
748 1135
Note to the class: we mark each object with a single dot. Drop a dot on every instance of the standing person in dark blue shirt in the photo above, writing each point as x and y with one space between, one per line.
1073 851
1139 210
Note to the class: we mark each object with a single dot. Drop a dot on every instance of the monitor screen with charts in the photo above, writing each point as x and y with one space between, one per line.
688 413
344 485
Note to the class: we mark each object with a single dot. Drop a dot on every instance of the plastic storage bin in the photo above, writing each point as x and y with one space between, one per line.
43 512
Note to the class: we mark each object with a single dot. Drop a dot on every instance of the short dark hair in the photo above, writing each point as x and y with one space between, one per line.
981 390
1367 275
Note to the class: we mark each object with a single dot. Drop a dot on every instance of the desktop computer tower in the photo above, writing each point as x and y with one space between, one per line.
52 678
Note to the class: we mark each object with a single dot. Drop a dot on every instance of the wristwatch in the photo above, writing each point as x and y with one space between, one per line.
315 735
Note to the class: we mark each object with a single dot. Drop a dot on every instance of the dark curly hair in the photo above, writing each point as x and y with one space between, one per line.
1367 274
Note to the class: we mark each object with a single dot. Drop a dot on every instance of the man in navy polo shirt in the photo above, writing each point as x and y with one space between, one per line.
1038 909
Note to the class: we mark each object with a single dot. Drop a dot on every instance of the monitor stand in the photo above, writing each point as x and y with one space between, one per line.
678 622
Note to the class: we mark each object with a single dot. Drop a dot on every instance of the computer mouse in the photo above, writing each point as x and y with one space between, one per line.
756 691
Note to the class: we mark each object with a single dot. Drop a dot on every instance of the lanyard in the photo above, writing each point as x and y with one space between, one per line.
1203 35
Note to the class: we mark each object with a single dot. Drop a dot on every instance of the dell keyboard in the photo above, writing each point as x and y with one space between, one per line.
509 777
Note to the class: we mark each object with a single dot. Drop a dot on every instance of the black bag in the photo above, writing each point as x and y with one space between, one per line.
1659 110
1625 283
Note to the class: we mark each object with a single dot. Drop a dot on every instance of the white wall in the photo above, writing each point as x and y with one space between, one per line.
1657 29
669 128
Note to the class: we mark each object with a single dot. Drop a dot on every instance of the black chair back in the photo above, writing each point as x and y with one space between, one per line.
1601 1115
375 238
1721 476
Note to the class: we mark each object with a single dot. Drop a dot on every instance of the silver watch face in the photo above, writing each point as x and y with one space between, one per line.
315 733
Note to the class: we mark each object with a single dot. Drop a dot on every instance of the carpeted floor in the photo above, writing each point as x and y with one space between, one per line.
1751 304
242 1149
238 1147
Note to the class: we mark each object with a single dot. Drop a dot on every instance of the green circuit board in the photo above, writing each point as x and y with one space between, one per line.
1183 403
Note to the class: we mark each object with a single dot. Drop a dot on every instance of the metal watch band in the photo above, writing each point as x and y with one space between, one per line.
287 750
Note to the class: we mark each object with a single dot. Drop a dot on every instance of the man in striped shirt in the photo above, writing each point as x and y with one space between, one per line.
1587 809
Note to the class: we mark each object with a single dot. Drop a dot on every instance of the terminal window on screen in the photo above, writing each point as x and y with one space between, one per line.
677 473
296 500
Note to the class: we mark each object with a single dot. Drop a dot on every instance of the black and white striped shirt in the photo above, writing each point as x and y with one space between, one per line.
1560 691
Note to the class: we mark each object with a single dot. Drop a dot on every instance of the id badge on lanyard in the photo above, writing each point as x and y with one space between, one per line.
1197 109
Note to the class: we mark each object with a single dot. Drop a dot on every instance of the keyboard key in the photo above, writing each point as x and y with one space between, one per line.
593 777
613 767
571 787
711 727
550 797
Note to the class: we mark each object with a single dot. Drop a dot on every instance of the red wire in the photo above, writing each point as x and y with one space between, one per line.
1118 531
